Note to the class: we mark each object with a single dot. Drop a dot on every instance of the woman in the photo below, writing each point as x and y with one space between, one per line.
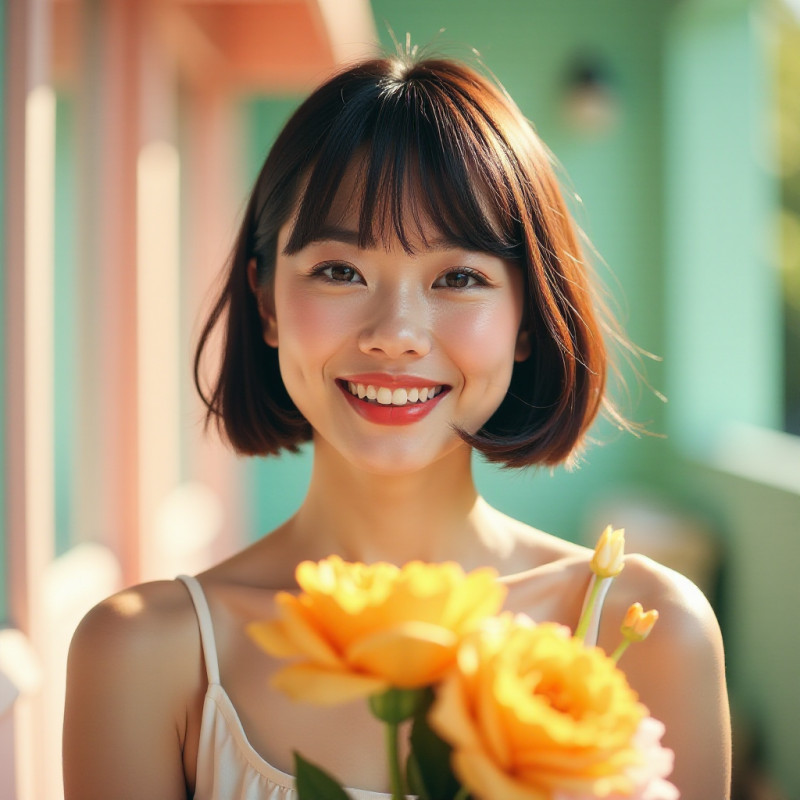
407 287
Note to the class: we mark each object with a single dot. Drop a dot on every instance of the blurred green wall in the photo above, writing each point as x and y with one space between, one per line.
723 346
724 360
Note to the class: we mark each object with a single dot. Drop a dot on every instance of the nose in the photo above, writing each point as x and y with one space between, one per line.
397 325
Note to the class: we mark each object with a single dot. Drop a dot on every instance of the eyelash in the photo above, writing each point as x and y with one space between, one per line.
479 278
322 270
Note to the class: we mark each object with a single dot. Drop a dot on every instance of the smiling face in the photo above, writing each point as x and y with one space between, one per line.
447 169
387 352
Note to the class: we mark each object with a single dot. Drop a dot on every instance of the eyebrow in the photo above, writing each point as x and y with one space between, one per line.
334 233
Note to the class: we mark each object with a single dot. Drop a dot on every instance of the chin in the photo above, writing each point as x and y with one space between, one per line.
398 458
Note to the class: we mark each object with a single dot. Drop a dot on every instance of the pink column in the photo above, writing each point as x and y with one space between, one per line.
29 342
107 485
214 193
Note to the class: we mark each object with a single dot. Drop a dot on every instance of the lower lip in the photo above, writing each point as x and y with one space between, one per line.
392 415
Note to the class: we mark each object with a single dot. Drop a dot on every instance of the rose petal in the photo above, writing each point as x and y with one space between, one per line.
408 655
421 592
480 596
271 637
325 687
575 786
489 718
449 715
487 782
588 761
299 628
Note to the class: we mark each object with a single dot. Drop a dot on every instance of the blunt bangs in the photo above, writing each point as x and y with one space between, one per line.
423 153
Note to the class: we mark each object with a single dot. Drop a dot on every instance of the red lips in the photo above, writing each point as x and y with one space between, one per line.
389 414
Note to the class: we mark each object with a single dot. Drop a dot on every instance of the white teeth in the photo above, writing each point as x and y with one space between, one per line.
385 396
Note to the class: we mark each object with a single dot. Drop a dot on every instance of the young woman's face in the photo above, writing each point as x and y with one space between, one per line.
385 352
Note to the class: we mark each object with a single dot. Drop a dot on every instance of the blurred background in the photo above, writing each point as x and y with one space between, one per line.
131 131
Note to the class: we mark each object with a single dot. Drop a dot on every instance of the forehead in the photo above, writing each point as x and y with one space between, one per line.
406 212
409 209
344 209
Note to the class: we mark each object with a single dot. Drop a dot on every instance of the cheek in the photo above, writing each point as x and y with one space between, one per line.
308 332
308 326
485 338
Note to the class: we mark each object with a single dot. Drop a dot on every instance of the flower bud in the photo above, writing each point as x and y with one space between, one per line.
396 705
637 623
609 554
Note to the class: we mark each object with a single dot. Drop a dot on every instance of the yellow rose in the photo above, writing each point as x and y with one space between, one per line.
356 630
530 711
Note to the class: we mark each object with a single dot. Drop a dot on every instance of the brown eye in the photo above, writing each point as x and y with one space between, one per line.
459 279
338 272
341 272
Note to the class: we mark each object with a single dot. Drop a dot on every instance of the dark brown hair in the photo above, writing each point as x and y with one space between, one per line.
439 133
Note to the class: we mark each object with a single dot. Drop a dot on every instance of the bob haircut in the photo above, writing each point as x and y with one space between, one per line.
432 140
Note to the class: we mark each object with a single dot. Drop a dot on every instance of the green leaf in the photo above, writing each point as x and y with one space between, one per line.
314 783
429 767
414 778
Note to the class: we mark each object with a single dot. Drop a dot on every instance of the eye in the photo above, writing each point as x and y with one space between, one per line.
338 272
462 278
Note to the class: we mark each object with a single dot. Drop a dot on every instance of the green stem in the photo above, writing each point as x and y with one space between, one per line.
463 794
621 648
583 624
393 754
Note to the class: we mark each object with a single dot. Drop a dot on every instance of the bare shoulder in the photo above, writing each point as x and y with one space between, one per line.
686 641
146 608
151 625
134 672
686 618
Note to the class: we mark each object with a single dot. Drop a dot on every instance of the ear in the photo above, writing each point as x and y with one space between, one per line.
522 349
266 305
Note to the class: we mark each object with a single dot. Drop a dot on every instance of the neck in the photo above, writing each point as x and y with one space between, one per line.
434 514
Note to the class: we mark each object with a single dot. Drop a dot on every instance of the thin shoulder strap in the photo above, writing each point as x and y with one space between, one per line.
594 623
206 627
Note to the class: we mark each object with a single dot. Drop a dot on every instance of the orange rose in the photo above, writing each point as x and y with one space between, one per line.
356 630
530 711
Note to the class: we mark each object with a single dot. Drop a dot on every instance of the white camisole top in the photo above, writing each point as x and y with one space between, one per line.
228 768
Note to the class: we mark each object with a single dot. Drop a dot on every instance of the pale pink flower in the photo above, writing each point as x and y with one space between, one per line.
649 777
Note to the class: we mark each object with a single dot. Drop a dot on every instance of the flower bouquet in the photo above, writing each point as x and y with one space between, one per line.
500 708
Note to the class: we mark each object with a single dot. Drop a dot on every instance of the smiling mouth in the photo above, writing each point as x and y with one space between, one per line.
386 396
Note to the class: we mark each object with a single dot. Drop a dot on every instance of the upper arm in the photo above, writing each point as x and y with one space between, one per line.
679 673
129 678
